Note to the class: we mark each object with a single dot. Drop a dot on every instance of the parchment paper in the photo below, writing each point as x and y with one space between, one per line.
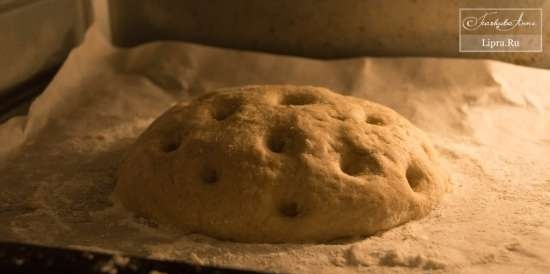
490 122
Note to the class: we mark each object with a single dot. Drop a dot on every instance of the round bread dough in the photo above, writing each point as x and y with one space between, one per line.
281 164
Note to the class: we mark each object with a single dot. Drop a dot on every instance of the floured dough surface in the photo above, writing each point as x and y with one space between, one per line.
281 164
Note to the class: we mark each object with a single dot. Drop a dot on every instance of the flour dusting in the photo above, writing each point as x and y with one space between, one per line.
489 121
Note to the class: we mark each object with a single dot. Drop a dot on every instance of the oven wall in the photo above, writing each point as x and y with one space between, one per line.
314 28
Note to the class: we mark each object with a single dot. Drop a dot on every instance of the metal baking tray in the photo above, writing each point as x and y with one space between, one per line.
34 259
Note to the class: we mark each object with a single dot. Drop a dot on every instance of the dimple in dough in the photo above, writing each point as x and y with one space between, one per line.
281 164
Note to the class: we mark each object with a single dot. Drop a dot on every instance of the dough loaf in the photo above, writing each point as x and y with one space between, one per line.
281 164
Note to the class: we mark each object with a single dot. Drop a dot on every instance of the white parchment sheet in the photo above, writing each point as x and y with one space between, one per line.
490 122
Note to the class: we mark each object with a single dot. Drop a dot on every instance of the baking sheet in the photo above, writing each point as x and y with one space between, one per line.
490 122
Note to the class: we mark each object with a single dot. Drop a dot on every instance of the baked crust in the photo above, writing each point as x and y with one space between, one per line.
281 164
